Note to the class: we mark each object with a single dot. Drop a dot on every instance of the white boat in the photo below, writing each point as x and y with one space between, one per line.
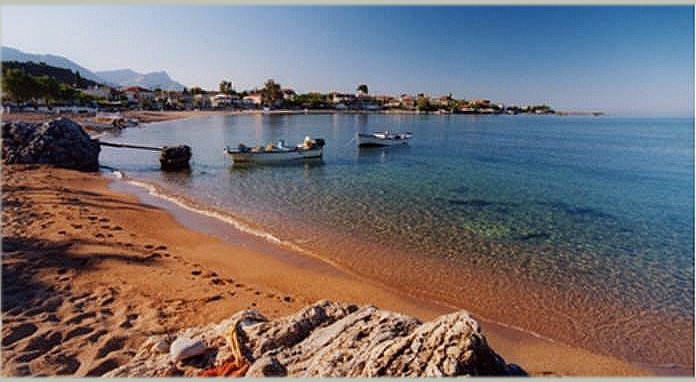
309 149
383 138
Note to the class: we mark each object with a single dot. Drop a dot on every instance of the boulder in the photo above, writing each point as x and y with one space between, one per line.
175 157
333 339
60 142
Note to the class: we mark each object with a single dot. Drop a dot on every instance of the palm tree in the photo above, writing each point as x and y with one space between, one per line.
362 88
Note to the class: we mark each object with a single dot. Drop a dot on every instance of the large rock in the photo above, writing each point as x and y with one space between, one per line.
175 157
60 142
332 339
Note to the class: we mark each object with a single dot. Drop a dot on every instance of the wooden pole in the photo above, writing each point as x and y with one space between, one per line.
130 146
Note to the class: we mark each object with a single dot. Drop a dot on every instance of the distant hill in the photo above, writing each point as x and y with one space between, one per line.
120 78
11 54
153 80
62 75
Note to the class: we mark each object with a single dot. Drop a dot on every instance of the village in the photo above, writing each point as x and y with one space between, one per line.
63 90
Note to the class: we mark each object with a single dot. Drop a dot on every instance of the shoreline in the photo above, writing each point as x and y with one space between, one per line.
146 116
195 269
201 219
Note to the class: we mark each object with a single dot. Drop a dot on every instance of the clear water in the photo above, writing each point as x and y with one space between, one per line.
577 228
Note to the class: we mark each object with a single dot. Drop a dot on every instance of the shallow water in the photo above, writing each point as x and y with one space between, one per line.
577 228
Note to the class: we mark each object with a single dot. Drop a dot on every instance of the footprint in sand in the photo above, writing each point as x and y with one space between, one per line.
17 333
81 317
113 344
128 322
95 337
41 344
78 332
71 364
103 368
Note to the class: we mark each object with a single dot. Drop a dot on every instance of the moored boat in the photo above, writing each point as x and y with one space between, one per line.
383 138
309 149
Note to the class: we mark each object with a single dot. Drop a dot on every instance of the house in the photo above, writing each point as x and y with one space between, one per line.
137 94
99 91
289 94
337 97
223 100
253 99
407 101
201 101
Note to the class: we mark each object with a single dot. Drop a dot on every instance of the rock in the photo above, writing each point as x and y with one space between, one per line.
162 346
175 157
332 339
60 142
267 366
183 348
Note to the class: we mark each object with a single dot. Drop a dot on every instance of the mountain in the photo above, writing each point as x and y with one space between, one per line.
11 54
122 77
153 80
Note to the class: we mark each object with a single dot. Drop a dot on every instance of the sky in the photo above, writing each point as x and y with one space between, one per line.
622 60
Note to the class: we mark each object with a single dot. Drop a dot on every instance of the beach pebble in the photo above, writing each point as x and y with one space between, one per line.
162 346
183 348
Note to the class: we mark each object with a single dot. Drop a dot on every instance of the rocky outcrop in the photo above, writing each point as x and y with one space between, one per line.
60 142
331 339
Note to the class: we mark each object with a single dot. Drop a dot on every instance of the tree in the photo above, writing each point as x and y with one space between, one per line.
423 103
21 86
226 87
196 90
271 93
49 88
362 88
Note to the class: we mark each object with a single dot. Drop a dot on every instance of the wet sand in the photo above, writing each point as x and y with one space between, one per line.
89 273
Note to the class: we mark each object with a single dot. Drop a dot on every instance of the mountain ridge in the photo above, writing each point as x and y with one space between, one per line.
117 77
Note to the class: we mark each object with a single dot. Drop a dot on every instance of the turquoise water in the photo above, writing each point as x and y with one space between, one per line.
577 228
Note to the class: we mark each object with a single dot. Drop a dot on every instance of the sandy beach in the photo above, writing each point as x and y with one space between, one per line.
89 273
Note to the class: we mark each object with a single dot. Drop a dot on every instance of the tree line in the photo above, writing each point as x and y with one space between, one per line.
21 87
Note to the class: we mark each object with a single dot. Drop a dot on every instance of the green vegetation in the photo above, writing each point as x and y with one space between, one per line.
61 75
21 87
226 87
271 93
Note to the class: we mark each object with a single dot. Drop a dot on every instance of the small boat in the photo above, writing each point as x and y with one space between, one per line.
383 138
309 149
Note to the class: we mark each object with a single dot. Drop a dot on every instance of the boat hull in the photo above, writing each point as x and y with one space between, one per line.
275 156
371 140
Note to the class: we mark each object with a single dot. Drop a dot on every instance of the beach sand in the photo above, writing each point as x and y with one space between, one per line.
89 273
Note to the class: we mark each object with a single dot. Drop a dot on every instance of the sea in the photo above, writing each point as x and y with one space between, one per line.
575 228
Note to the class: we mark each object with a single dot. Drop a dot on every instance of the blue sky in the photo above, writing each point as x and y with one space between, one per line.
627 60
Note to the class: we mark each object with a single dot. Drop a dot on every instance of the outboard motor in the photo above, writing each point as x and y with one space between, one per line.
319 142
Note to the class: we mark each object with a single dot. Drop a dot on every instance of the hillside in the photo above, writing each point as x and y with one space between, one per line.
62 75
